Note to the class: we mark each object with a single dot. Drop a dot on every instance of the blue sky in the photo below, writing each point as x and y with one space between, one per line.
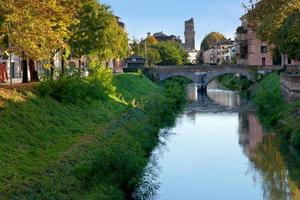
142 16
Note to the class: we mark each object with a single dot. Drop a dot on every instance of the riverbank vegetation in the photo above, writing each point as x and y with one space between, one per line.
82 138
233 82
274 112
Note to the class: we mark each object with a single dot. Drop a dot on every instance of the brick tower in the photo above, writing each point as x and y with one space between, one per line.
189 35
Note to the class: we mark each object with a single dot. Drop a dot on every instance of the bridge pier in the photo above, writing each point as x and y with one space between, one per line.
202 88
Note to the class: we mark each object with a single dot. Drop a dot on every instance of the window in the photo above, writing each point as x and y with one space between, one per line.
264 49
244 52
289 61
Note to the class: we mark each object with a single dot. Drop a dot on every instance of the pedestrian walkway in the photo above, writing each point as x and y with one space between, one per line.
14 81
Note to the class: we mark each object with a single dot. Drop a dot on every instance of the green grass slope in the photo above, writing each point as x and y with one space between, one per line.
83 150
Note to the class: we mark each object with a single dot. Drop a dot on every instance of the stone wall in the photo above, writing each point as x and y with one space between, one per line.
290 86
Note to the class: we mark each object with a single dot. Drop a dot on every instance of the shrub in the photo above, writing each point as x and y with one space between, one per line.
74 89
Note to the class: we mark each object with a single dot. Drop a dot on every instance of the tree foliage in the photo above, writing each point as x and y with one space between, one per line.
98 34
159 53
153 57
169 52
35 28
86 33
289 36
210 39
269 15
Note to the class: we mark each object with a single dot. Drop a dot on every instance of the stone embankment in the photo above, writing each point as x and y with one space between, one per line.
290 86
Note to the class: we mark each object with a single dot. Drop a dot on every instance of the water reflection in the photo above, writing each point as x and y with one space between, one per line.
218 150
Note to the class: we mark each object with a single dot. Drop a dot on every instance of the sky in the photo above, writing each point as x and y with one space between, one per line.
143 16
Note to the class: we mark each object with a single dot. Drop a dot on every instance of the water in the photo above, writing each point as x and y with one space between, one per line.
219 151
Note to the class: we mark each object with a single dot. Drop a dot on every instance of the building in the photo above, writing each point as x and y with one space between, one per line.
189 35
222 52
12 71
134 62
192 57
252 51
207 56
162 37
120 23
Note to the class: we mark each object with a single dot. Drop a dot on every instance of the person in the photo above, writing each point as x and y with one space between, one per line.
3 72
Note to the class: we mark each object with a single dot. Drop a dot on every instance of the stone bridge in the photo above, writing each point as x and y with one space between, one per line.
202 75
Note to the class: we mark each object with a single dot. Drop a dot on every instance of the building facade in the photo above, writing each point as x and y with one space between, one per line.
252 51
222 52
189 35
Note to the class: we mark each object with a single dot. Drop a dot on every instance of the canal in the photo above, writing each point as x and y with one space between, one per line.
218 150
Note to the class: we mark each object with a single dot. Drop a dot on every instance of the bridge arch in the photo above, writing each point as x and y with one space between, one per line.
246 74
171 75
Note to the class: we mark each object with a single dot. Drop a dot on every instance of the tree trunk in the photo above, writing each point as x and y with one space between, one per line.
33 72
79 69
52 70
25 71
63 53
62 67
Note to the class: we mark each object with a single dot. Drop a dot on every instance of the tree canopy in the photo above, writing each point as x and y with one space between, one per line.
210 39
35 28
170 53
269 15
98 33
289 36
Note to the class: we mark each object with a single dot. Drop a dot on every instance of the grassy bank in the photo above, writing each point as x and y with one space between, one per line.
81 139
274 112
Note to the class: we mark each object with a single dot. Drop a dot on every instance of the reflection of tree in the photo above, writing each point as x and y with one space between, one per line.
269 165
149 184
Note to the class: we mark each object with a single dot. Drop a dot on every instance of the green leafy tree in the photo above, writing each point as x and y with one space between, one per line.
184 56
135 47
289 36
98 34
169 53
153 57
210 39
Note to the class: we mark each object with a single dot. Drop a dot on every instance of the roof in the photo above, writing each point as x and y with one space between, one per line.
241 29
160 36
135 59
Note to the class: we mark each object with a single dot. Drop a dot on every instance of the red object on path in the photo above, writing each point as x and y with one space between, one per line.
3 73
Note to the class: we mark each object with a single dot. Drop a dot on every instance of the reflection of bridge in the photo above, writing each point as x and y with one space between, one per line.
202 75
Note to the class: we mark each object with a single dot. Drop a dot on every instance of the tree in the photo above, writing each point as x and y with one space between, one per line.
153 57
184 56
135 47
169 53
289 36
98 34
210 39
151 41
35 28
267 16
